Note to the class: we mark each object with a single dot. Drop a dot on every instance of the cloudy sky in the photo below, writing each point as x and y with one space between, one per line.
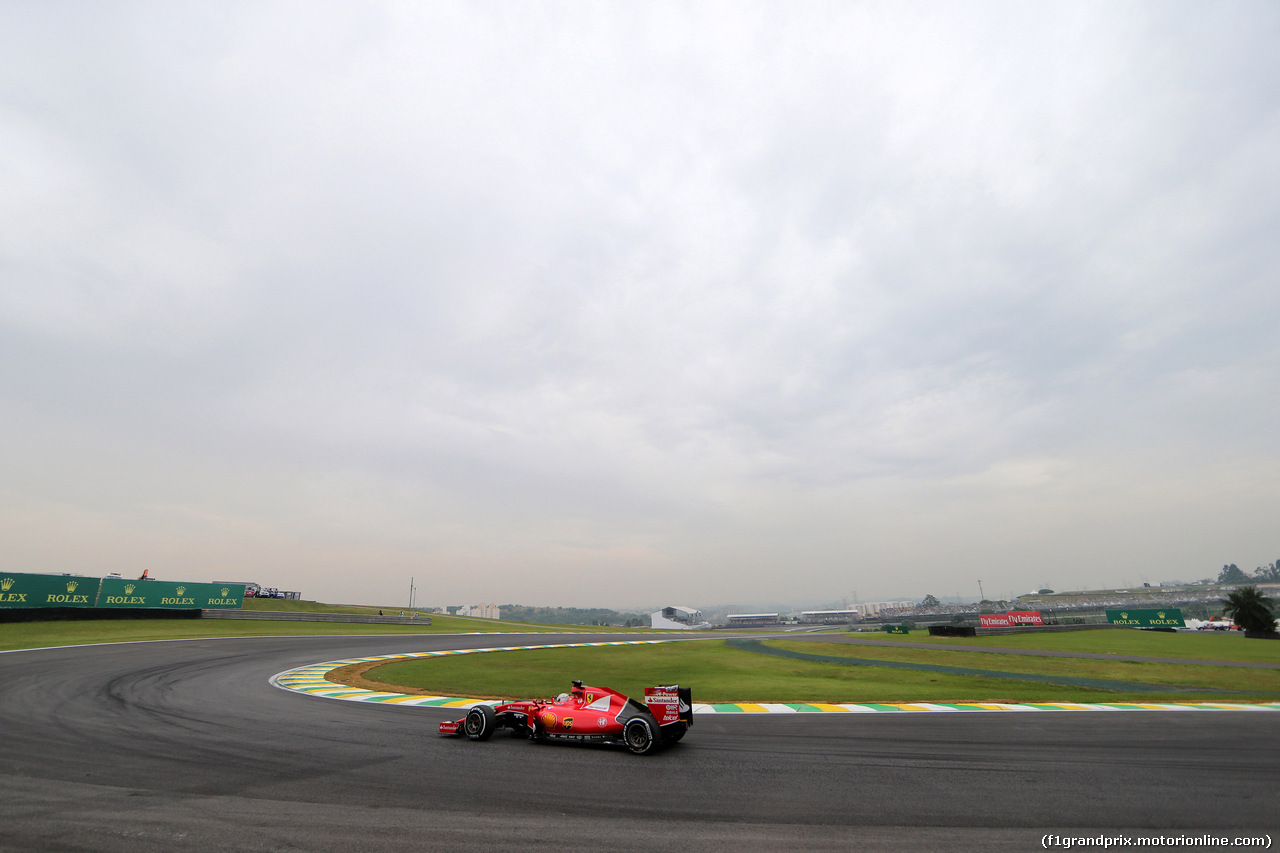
618 304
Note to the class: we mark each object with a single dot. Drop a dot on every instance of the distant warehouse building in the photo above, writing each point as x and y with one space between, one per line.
750 620
680 618
480 611
828 617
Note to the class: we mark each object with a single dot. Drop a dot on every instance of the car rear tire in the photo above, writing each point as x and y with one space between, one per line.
673 732
480 722
640 735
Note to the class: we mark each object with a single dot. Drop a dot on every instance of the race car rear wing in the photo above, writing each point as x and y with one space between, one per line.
670 704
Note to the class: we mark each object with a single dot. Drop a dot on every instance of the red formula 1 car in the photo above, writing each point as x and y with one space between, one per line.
589 714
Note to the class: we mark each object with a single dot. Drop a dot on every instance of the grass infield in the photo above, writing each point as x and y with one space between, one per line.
1200 645
455 624
31 635
719 673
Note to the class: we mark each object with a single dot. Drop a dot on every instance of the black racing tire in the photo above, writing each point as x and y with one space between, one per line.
640 734
480 722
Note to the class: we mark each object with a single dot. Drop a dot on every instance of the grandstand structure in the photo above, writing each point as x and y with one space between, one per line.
753 620
873 608
828 617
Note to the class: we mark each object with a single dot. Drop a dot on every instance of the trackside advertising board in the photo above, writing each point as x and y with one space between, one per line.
1011 619
22 590
1168 617
167 594
897 629
18 589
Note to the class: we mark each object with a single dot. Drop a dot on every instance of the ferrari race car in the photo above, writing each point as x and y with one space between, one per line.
587 714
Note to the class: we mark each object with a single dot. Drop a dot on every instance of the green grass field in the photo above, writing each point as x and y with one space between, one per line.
719 673
30 635
1199 645
1211 677
504 625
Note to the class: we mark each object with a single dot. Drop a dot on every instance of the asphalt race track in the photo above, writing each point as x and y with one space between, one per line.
185 745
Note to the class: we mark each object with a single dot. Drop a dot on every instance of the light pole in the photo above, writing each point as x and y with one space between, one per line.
411 589
982 596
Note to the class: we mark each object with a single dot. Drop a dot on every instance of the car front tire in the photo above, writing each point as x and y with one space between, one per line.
480 722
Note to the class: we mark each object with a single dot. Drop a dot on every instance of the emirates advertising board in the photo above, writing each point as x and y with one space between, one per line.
1011 619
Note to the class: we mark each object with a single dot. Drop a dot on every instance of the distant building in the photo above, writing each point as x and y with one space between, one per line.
480 611
677 617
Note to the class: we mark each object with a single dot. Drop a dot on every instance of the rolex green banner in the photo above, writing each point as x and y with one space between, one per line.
167 594
221 596
18 589
1168 617
897 629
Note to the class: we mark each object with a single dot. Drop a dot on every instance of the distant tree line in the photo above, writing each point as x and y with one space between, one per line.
1232 573
572 616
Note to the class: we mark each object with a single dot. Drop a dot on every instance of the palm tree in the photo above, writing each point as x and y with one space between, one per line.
1250 609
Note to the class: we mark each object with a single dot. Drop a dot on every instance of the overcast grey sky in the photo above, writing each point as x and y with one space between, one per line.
619 304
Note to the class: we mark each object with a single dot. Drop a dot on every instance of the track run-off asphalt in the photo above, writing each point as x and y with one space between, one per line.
187 745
